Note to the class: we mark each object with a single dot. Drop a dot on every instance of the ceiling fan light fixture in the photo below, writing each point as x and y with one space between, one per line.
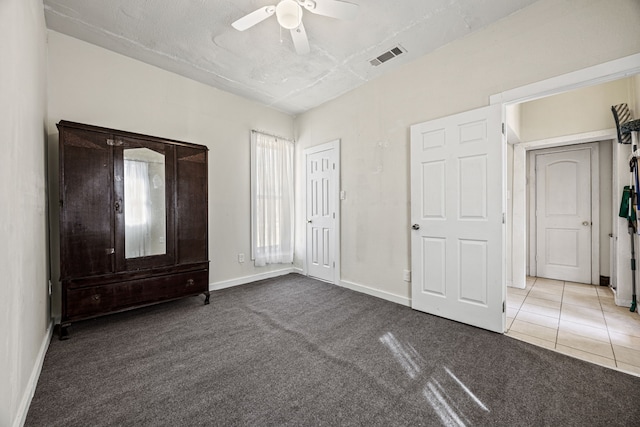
289 14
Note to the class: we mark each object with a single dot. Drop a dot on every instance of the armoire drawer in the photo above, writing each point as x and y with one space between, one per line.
89 302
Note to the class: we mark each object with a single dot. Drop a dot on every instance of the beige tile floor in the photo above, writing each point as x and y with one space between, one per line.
575 319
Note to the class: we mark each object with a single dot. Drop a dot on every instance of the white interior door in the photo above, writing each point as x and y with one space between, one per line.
457 212
563 215
322 206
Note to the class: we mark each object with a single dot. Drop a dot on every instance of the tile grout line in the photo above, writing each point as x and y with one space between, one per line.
615 359
562 305
519 307
518 310
555 346
535 324
606 328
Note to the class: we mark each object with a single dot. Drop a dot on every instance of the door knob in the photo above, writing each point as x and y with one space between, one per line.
416 226
585 223
308 221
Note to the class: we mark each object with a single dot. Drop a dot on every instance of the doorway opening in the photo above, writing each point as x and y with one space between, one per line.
567 208
569 113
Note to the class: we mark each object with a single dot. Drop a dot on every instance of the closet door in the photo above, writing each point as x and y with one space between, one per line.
144 200
86 214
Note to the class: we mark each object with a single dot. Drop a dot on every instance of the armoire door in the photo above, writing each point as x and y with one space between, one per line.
191 205
86 238
143 206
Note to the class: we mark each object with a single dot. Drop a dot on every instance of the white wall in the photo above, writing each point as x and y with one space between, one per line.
509 223
24 310
635 97
547 39
91 85
578 111
623 280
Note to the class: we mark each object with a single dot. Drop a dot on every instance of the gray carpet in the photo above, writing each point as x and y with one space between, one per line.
295 351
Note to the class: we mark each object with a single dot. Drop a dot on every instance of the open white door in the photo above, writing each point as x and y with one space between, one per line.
457 205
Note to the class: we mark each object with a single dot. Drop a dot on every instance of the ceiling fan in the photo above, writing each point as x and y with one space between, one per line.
289 16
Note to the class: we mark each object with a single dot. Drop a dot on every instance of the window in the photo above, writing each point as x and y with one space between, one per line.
271 199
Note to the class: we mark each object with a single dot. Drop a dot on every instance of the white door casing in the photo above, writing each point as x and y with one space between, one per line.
457 206
563 215
322 211
593 75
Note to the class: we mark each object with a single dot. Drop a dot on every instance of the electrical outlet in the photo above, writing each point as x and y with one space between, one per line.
240 257
406 275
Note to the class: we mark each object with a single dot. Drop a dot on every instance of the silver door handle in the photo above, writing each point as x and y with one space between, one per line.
308 221
416 226
585 223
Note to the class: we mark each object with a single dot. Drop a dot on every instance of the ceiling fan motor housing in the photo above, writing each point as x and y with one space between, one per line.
289 14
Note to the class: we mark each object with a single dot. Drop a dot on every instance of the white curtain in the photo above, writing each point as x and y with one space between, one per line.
272 199
136 208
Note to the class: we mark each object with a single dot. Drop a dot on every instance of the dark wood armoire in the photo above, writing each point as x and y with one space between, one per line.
133 221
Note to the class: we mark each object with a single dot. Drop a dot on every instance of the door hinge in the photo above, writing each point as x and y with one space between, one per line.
334 264
504 306
503 218
503 128
334 215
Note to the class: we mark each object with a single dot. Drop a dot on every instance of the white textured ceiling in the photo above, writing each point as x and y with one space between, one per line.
194 38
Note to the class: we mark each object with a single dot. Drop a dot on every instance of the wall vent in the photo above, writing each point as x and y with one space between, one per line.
390 54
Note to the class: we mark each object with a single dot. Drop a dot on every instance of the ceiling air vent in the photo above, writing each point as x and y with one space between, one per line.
390 54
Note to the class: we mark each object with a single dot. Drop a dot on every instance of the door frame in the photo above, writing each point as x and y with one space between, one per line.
590 76
331 145
595 205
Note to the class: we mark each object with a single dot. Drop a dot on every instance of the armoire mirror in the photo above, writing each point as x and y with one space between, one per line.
144 203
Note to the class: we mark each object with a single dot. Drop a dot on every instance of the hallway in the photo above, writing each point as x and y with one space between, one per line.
575 319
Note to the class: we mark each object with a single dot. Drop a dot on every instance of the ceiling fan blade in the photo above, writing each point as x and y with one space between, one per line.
253 18
332 8
300 40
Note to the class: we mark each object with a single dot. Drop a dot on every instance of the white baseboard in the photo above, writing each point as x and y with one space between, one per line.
622 302
30 390
376 293
216 286
510 284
